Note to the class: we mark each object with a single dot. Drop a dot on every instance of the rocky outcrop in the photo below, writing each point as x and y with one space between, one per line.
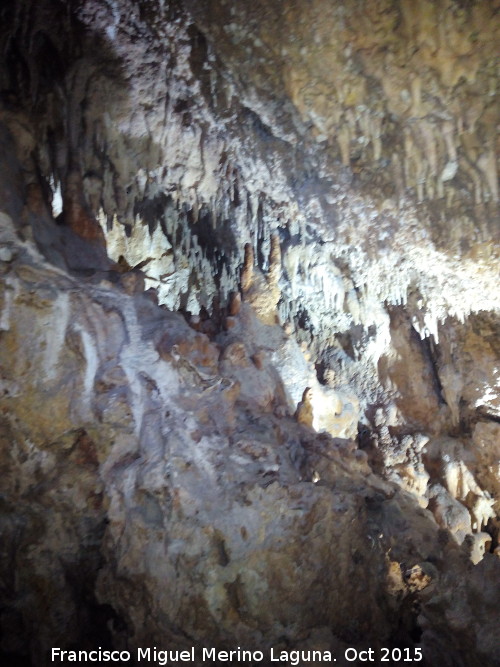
152 497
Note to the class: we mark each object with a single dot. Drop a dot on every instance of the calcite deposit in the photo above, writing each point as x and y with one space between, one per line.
250 329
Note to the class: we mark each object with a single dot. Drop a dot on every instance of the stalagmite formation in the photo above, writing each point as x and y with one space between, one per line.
262 292
304 413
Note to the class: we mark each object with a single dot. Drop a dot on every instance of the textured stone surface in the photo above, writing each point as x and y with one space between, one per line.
176 502
313 188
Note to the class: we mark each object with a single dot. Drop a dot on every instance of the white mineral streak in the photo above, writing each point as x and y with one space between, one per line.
141 361
9 297
91 366
57 203
55 331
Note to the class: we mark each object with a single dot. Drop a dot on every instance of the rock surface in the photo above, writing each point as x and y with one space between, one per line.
249 326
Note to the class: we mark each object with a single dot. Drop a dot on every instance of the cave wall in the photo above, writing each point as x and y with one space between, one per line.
369 152
213 213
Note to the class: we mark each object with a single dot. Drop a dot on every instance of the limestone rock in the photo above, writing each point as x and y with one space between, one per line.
207 207
304 413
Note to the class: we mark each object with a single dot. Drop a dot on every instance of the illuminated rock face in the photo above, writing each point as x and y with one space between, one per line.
306 454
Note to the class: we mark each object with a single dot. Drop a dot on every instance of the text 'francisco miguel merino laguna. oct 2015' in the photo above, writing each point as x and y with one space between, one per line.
196 655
